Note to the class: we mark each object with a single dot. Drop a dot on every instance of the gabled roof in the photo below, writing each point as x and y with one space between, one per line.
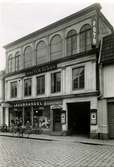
107 52
95 6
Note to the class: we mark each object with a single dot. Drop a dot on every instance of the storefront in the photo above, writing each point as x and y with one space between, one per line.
43 115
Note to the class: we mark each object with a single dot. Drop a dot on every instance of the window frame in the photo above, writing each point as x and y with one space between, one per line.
26 64
28 89
38 47
13 89
55 89
84 41
70 38
59 50
42 90
78 78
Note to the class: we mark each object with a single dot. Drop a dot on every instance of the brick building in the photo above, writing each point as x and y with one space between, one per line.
52 75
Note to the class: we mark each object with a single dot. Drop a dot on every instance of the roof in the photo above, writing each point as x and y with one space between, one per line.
107 52
95 6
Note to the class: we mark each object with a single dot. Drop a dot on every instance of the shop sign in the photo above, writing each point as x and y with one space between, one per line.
93 117
56 106
38 70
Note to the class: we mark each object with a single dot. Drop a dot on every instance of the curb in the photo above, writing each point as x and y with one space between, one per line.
47 139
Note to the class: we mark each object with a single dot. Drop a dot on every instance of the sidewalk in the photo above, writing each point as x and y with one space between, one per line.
73 139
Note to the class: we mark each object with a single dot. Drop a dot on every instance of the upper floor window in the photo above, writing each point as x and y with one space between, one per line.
13 89
56 47
78 78
11 63
41 85
71 43
28 57
17 61
85 38
56 82
42 55
27 87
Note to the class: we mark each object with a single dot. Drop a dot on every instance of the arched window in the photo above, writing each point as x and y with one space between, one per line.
17 61
71 43
28 57
85 38
11 63
56 47
42 55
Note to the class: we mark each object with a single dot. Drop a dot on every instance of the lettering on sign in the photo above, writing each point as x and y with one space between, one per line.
94 31
38 70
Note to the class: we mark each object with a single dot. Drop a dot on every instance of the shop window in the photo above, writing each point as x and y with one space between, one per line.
41 52
13 89
78 78
41 85
56 82
56 47
41 117
27 87
71 43
85 38
28 57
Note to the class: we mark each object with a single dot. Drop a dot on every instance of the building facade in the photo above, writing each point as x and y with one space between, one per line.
106 99
52 75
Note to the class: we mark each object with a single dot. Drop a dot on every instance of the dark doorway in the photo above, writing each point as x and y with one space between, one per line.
57 119
79 118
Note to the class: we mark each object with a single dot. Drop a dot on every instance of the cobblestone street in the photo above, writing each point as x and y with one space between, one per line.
20 152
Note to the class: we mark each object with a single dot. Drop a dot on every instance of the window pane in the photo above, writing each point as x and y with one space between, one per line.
42 55
78 78
85 38
56 82
27 87
28 57
71 43
41 85
56 47
13 89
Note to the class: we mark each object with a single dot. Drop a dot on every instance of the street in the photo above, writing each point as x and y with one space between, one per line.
20 152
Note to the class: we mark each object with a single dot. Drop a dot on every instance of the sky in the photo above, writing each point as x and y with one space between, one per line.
21 17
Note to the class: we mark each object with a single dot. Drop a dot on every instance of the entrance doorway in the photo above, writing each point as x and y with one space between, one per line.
57 120
79 118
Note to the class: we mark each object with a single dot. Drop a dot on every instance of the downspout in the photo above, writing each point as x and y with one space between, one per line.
100 71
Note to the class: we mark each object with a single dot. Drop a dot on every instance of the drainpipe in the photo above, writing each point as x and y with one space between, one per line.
100 71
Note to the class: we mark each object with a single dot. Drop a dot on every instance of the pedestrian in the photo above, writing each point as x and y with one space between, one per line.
28 128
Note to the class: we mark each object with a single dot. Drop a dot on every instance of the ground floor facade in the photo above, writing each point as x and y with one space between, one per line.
63 116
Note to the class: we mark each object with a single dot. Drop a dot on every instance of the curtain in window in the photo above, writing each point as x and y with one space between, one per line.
71 43
42 53
56 47
85 38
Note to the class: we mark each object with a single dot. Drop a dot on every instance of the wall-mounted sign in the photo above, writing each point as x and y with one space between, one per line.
63 118
94 32
38 70
93 117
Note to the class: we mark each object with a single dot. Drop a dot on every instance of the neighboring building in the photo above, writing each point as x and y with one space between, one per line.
52 74
106 100
2 98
